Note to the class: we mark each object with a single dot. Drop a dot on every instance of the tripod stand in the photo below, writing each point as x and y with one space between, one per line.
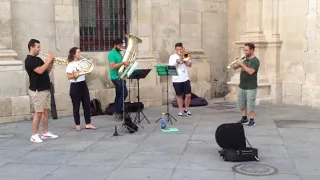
166 70
139 74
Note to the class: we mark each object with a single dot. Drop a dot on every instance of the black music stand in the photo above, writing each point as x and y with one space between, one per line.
139 74
167 70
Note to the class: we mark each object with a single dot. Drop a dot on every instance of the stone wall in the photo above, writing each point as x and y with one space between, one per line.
215 43
293 69
299 56
200 25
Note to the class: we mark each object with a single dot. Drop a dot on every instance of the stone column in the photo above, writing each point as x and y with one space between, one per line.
254 12
275 19
7 54
141 25
14 104
273 56
191 36
254 33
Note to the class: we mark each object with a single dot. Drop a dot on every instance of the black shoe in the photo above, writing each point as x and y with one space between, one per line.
243 121
118 117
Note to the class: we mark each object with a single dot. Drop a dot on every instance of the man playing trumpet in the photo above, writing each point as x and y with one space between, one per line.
39 87
248 83
181 83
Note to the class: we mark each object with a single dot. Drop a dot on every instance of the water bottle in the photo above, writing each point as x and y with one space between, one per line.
163 121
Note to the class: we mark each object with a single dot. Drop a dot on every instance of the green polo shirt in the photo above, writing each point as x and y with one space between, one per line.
115 57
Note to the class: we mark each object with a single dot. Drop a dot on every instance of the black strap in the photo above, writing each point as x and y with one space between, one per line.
248 142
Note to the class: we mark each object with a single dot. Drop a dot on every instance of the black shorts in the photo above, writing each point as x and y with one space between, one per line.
182 88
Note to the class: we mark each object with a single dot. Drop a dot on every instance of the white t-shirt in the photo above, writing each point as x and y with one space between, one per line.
181 68
72 66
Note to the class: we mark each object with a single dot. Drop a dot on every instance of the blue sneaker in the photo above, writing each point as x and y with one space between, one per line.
251 123
243 121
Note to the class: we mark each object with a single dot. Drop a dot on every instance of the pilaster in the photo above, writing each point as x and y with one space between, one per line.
7 54
14 104
254 16
66 25
273 56
200 73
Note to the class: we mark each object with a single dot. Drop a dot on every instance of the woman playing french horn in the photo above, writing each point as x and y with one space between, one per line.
79 91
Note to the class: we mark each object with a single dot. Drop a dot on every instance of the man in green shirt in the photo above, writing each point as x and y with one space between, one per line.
248 83
115 62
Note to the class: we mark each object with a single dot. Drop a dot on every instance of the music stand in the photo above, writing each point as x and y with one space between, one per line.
167 70
139 74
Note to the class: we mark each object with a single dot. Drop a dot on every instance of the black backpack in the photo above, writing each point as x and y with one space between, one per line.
95 106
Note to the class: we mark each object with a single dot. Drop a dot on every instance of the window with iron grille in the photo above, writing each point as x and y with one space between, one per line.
101 22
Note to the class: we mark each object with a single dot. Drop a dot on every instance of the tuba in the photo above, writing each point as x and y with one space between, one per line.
130 54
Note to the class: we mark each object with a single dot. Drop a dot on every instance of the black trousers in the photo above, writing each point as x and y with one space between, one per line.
120 95
79 92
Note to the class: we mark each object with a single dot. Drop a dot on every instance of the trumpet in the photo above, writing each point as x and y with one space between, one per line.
55 60
232 63
183 57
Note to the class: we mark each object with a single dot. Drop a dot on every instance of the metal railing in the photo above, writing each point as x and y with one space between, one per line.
102 21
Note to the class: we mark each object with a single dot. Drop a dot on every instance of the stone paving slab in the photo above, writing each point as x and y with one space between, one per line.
287 138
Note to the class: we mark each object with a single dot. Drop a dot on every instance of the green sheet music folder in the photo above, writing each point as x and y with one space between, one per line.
164 70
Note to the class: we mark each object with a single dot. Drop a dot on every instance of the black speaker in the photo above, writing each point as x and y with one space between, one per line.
231 136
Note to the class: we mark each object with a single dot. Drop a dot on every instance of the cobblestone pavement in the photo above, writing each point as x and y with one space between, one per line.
287 138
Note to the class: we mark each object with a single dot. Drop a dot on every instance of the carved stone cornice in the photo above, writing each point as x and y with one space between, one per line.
8 61
197 55
7 53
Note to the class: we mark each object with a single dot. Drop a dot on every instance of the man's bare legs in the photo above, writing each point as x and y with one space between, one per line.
244 112
244 119
36 122
251 114
180 103
187 104
187 101
45 119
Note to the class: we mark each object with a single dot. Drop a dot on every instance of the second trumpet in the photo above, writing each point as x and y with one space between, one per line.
55 60
232 63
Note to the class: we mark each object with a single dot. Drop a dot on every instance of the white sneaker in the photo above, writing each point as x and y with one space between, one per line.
35 138
48 135
187 112
180 114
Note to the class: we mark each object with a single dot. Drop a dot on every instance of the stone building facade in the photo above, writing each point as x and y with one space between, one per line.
287 35
200 25
213 31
